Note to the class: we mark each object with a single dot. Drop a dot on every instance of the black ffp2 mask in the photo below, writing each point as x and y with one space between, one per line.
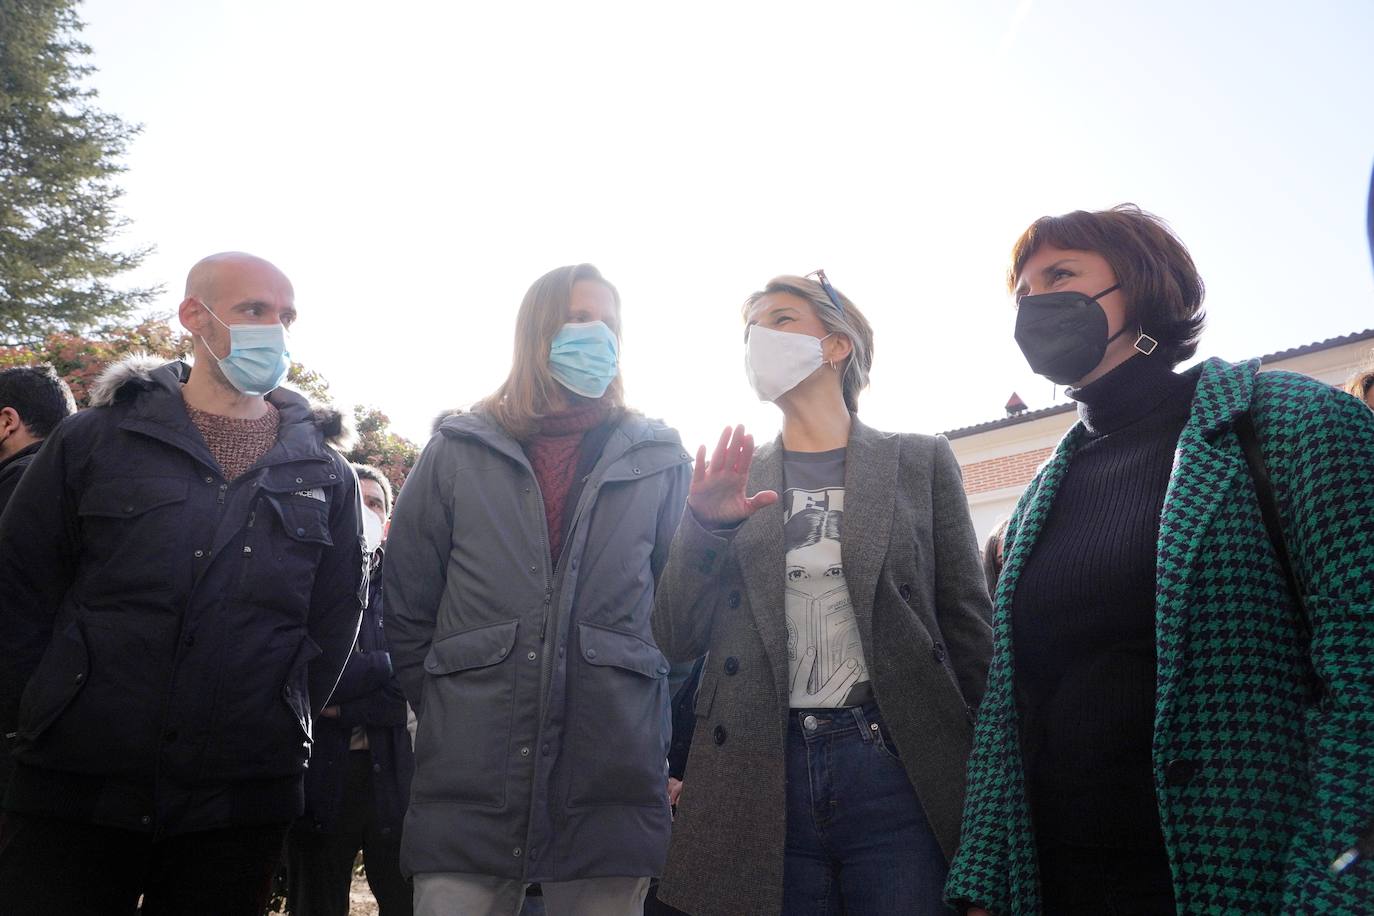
1063 335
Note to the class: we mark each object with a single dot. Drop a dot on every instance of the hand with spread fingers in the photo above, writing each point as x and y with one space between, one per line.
717 496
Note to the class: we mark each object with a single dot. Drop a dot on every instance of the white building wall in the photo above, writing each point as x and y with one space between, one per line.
1332 365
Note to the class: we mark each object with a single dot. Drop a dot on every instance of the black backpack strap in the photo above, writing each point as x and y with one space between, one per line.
1269 510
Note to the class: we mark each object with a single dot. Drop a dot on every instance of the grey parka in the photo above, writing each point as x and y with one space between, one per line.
542 697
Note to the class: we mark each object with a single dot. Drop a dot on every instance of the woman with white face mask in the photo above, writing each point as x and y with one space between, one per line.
836 584
520 573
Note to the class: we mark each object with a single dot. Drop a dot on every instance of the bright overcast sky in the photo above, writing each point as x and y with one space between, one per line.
414 167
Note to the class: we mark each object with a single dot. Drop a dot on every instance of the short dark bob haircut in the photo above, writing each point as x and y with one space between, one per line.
1161 284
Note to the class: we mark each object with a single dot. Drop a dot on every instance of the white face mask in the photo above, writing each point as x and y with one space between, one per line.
776 361
372 530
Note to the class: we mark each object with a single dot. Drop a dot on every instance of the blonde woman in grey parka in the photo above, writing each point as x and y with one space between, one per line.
523 558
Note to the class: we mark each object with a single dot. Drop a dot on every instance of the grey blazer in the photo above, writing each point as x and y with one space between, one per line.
916 582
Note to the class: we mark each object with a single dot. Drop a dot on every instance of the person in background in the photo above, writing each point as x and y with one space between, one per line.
183 576
1361 385
33 400
993 554
361 766
1180 716
846 621
521 570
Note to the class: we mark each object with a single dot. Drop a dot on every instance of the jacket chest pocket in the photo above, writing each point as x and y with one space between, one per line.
126 527
298 526
302 520
286 535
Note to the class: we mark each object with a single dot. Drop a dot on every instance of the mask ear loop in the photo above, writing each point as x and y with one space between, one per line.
218 359
1144 343
829 362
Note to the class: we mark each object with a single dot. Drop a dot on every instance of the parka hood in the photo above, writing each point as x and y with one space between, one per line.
144 372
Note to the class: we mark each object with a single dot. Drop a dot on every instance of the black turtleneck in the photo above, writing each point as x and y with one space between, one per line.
1083 616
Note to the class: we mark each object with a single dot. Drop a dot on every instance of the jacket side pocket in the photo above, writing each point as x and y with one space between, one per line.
60 676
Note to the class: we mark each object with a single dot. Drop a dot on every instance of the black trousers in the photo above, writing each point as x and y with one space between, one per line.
49 866
321 864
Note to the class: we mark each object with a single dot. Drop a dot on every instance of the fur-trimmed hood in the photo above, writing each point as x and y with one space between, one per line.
143 371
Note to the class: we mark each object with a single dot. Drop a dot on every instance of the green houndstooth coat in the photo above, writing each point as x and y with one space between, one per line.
1258 787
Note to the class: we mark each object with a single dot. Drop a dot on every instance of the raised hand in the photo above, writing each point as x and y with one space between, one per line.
717 496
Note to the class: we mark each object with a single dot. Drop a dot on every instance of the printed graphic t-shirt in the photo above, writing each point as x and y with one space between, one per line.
825 656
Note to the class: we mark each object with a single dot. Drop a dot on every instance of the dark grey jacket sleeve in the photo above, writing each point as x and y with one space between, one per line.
961 592
670 512
416 567
688 591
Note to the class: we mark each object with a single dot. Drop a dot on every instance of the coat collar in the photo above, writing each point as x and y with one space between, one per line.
870 476
632 433
158 410
1208 469
25 452
1224 392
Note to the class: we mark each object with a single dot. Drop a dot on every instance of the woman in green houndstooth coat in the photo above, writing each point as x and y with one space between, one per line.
1177 720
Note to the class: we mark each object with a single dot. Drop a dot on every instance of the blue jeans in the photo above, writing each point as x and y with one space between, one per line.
858 841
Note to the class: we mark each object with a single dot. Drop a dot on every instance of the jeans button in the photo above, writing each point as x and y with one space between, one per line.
809 723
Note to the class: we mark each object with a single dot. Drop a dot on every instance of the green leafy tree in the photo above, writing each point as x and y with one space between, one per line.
59 155
310 383
80 359
377 445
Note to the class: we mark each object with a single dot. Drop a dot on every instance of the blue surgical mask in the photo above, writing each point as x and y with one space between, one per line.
258 359
585 358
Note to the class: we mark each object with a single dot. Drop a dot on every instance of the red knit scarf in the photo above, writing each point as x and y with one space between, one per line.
553 453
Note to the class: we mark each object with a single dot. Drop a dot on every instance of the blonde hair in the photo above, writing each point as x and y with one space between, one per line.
851 323
528 392
1360 383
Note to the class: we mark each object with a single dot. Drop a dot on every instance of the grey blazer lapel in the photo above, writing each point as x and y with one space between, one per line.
759 548
870 490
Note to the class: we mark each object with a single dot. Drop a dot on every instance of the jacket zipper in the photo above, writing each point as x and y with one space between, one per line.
584 502
177 658
542 526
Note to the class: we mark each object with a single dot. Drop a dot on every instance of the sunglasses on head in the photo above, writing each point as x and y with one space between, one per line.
829 290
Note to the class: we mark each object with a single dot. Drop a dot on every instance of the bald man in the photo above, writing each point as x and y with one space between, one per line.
181 579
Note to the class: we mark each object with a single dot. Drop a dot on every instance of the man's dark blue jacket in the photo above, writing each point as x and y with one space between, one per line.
368 696
169 634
